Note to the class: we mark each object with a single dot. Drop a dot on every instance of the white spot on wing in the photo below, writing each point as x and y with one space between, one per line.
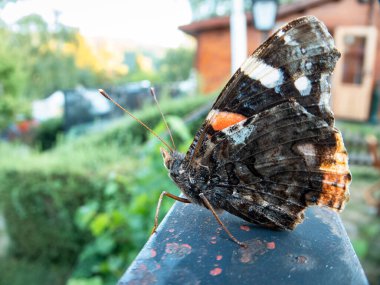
306 149
309 152
324 100
324 84
211 114
248 198
257 69
290 41
272 79
240 134
303 85
280 33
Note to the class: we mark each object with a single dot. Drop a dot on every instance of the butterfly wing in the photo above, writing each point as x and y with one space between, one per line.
269 143
295 62
268 168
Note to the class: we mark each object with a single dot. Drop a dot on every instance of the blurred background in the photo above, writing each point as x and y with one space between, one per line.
79 181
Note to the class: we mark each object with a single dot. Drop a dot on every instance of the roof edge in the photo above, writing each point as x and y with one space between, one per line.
221 22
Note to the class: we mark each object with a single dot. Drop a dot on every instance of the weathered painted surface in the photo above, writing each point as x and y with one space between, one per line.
190 248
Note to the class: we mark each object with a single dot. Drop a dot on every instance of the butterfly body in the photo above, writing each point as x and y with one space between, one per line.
268 148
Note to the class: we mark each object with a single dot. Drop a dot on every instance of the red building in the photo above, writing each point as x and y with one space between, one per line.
352 23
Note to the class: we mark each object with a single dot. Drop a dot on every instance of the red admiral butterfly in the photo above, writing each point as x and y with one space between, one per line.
268 148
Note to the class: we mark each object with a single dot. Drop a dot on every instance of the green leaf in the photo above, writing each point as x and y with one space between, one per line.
100 224
85 281
111 188
361 247
104 244
86 213
178 127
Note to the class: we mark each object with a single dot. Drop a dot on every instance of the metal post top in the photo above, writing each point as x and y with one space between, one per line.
191 248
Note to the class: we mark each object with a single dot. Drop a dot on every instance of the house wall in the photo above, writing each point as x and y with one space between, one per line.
214 53
213 59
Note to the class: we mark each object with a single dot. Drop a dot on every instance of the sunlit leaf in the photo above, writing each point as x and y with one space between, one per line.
99 224
86 213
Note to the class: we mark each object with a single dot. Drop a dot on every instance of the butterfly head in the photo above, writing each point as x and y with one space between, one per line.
167 157
173 162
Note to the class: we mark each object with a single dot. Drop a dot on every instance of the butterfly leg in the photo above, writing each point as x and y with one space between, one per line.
219 220
164 193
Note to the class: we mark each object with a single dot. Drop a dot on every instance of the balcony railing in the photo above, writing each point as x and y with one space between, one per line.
191 248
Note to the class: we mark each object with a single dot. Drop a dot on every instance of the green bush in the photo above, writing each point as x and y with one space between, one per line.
39 198
47 133
88 204
20 272
39 212
127 129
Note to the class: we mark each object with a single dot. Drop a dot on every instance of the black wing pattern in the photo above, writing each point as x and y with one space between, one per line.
281 151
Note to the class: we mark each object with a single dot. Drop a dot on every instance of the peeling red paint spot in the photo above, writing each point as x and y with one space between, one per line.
301 259
219 257
245 258
158 266
153 253
171 247
271 245
143 267
245 228
250 254
179 250
216 271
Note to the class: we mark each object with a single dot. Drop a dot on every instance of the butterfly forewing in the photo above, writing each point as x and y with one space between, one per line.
296 62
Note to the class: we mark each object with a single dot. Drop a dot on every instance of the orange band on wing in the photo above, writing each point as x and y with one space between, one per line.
336 179
222 120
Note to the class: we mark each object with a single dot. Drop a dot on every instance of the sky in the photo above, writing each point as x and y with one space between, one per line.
146 22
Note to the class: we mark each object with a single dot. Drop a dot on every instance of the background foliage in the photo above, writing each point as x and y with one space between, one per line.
86 206
79 210
36 60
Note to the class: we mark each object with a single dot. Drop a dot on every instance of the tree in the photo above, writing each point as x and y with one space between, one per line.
176 64
34 64
48 67
12 79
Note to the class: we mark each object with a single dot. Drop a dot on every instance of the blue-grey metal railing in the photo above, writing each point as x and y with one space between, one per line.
191 248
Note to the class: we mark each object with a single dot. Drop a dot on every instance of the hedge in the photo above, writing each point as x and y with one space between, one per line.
83 206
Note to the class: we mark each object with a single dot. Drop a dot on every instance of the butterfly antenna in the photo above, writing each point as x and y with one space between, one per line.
101 91
153 93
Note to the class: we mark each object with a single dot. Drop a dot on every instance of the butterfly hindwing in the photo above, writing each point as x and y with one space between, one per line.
267 169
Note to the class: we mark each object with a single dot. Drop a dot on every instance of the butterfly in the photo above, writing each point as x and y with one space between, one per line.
268 148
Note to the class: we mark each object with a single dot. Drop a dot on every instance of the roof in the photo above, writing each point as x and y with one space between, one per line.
195 28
